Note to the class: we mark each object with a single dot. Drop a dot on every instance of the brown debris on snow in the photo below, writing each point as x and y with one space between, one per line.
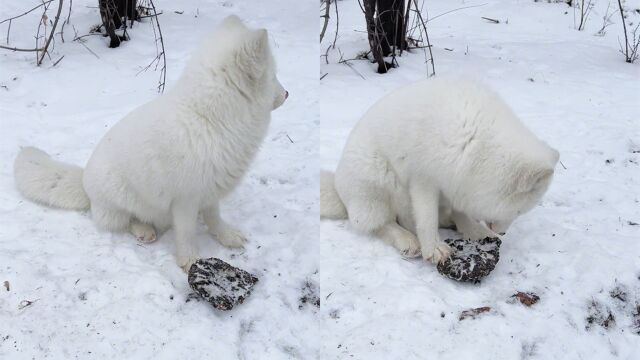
473 313
526 298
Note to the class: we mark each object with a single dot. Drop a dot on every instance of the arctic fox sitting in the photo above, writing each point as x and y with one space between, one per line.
177 156
437 153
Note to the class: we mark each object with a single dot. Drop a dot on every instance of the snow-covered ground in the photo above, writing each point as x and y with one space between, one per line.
576 92
75 292
99 295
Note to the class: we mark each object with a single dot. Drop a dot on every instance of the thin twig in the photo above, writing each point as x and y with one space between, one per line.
163 70
335 38
18 49
354 70
626 38
43 21
491 20
69 13
56 63
152 15
53 29
453 10
25 13
86 47
85 35
426 36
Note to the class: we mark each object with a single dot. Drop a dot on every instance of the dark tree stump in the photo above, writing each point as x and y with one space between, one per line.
385 29
391 19
114 14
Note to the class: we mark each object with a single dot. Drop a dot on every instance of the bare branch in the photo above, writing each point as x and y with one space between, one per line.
327 7
160 53
426 35
453 10
491 20
26 12
18 49
52 33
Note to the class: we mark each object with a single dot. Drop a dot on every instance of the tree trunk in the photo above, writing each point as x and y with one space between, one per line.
374 36
391 19
385 29
113 12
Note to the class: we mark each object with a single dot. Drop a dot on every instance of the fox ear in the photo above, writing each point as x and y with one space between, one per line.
554 156
233 22
533 180
254 54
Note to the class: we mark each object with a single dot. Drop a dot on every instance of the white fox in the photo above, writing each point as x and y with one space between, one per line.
178 155
436 153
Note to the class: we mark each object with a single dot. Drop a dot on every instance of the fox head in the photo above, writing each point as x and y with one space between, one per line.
504 181
253 62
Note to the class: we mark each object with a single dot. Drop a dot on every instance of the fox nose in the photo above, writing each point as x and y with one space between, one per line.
286 94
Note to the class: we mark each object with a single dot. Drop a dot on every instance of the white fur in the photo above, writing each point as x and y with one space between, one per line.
49 182
436 153
177 156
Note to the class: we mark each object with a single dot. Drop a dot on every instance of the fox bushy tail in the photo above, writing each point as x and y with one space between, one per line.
331 207
44 180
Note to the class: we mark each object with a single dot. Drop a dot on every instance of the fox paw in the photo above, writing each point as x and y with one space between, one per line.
409 246
437 252
185 262
144 233
230 237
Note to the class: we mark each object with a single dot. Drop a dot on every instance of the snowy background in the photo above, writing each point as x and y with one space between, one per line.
578 250
97 295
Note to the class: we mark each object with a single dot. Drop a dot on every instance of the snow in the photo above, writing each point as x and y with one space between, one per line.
101 295
98 295
576 92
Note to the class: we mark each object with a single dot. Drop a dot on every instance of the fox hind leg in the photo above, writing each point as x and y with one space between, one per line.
109 218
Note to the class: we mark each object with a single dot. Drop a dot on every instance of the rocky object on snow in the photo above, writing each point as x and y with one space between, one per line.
470 260
526 298
473 313
222 285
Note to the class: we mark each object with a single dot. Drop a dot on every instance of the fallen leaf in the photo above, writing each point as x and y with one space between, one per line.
527 299
472 313
7 286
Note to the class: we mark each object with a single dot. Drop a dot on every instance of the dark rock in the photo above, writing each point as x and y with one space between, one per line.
470 260
221 284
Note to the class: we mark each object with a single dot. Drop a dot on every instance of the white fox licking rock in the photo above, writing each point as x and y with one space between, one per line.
439 152
178 155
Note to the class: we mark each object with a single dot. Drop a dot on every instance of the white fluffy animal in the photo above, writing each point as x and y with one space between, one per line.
177 156
437 153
